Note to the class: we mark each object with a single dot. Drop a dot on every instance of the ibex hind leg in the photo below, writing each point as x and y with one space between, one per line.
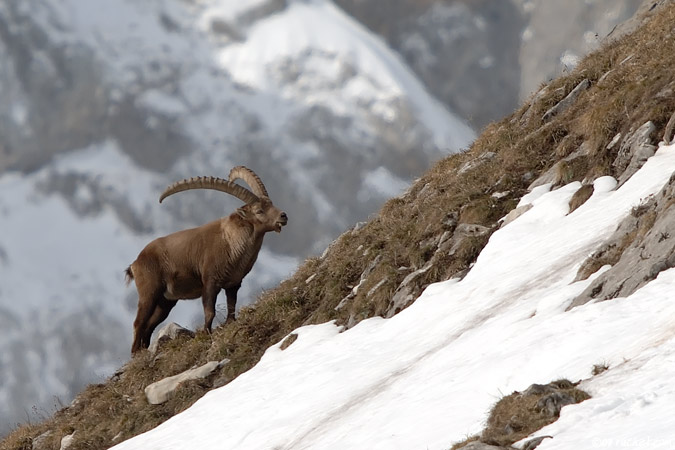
161 312
147 302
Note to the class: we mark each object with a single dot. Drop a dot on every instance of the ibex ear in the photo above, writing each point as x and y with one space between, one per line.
241 212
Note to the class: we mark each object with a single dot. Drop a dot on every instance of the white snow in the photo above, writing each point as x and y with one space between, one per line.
427 377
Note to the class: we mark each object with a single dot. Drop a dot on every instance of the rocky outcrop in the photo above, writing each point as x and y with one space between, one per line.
640 248
568 101
634 151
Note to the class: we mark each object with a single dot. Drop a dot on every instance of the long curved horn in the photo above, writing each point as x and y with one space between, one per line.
249 177
214 183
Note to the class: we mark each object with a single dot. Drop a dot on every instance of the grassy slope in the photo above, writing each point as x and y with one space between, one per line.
631 80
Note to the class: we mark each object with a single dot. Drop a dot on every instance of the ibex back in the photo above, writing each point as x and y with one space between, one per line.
201 261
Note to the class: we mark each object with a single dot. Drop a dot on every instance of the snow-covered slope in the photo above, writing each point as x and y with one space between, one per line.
105 103
428 376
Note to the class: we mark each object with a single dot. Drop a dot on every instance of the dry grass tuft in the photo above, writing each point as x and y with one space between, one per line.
520 414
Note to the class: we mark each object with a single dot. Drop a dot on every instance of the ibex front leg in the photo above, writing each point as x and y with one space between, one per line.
231 302
209 295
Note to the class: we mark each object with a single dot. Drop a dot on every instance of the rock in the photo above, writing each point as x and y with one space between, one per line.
474 163
379 284
640 248
527 116
404 293
288 341
667 133
634 151
580 197
167 333
539 389
515 213
67 441
566 102
450 220
364 277
310 278
159 392
615 140
477 445
563 171
534 443
471 229
463 232
41 442
552 403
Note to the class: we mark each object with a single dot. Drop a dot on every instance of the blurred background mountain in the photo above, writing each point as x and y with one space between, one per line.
336 105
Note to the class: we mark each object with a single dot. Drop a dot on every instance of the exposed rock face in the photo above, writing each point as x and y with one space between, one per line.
635 150
567 101
641 248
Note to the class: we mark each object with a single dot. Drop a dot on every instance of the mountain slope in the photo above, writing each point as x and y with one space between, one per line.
427 376
436 230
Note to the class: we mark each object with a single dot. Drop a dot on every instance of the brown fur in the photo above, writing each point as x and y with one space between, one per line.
199 262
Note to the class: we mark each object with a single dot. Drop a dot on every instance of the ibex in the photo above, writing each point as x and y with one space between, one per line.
201 261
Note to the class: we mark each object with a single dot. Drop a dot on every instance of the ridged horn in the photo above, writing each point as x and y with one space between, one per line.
249 177
214 183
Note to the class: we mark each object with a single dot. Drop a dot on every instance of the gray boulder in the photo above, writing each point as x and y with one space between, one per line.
160 391
167 333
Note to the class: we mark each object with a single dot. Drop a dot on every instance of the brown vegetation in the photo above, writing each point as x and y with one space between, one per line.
518 415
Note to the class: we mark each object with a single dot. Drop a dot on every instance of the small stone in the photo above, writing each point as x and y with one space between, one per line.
67 441
534 443
41 441
159 392
169 332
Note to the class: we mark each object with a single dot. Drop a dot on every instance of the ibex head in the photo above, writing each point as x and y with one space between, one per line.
259 209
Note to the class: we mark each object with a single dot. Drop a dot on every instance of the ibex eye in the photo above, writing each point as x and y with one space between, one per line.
260 211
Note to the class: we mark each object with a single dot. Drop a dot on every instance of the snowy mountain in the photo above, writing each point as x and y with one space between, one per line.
482 57
427 377
106 103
